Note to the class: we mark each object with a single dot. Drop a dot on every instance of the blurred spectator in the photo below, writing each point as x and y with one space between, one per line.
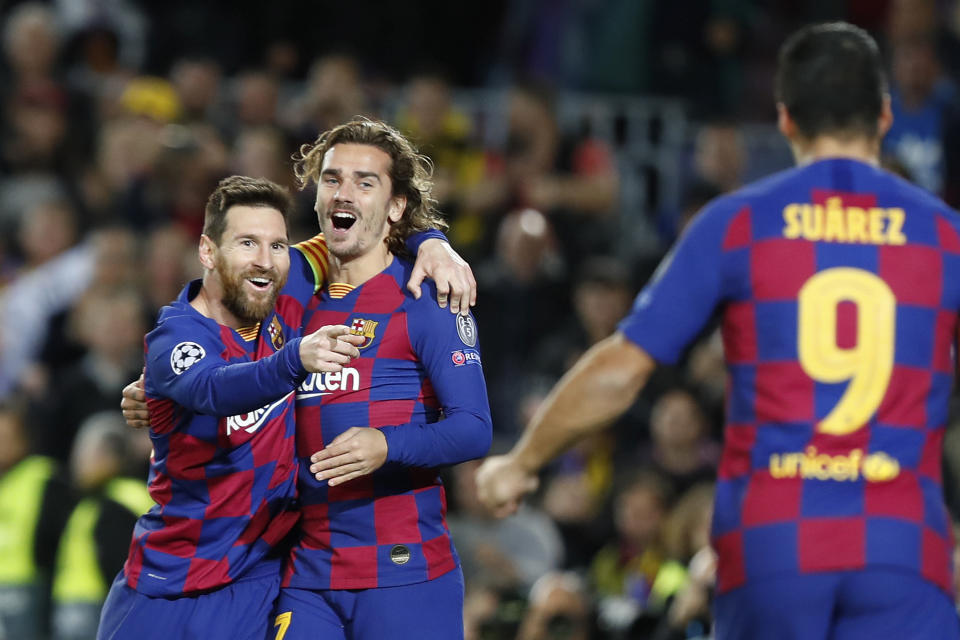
34 505
95 541
39 108
262 152
110 323
197 83
526 276
170 262
490 613
333 94
684 585
720 155
923 19
445 134
256 99
28 304
559 608
190 162
624 571
572 179
698 52
706 372
31 43
127 151
46 230
116 265
122 19
577 496
924 104
680 451
601 296
506 554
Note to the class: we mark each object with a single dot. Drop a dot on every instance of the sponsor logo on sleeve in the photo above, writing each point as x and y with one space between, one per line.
461 357
467 330
185 355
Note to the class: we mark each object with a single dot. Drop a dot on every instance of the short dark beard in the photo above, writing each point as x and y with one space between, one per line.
238 302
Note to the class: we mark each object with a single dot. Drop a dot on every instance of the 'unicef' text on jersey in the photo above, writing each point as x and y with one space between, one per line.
252 421
320 384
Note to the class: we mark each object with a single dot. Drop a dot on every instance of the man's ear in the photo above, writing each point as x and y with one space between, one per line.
785 122
207 252
396 208
885 121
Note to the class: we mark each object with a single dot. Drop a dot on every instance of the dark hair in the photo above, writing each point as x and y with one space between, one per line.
830 78
242 191
410 173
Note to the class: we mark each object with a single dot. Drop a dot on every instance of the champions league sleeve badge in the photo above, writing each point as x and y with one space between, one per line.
467 330
185 355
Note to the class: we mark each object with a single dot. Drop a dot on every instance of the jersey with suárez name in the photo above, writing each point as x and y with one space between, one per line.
419 379
223 473
838 286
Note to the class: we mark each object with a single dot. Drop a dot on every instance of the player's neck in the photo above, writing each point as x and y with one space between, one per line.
357 270
208 303
824 147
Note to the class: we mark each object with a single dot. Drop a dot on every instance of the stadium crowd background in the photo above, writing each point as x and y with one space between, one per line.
572 141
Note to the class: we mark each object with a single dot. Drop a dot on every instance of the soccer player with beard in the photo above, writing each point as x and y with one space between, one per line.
374 552
202 561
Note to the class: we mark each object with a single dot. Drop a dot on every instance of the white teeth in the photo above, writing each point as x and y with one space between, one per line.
260 281
345 216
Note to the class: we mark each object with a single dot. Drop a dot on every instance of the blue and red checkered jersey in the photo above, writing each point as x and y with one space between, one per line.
838 287
223 473
419 379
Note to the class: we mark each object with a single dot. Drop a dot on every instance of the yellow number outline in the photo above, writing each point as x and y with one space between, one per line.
283 622
868 365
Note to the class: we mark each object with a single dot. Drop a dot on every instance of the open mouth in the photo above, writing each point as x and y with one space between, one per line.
261 284
343 220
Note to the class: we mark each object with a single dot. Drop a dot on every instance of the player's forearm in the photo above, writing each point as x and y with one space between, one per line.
463 435
240 388
599 388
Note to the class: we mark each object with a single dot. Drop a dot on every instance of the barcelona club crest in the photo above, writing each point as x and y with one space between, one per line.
275 331
365 328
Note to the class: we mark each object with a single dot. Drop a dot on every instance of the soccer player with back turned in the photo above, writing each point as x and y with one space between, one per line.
838 287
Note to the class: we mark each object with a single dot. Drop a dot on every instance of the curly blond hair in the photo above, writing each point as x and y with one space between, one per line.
410 173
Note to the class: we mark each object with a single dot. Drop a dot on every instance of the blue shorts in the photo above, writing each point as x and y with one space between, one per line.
431 610
238 611
844 605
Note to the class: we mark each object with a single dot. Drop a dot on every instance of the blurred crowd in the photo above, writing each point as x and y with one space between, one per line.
116 127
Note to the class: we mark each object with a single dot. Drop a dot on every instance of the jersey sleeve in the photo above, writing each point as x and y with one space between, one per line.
309 268
683 293
184 364
414 240
447 346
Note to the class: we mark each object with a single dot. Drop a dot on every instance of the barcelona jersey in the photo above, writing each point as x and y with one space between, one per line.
223 473
420 381
838 287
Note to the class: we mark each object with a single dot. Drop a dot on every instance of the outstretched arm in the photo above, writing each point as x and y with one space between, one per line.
599 388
